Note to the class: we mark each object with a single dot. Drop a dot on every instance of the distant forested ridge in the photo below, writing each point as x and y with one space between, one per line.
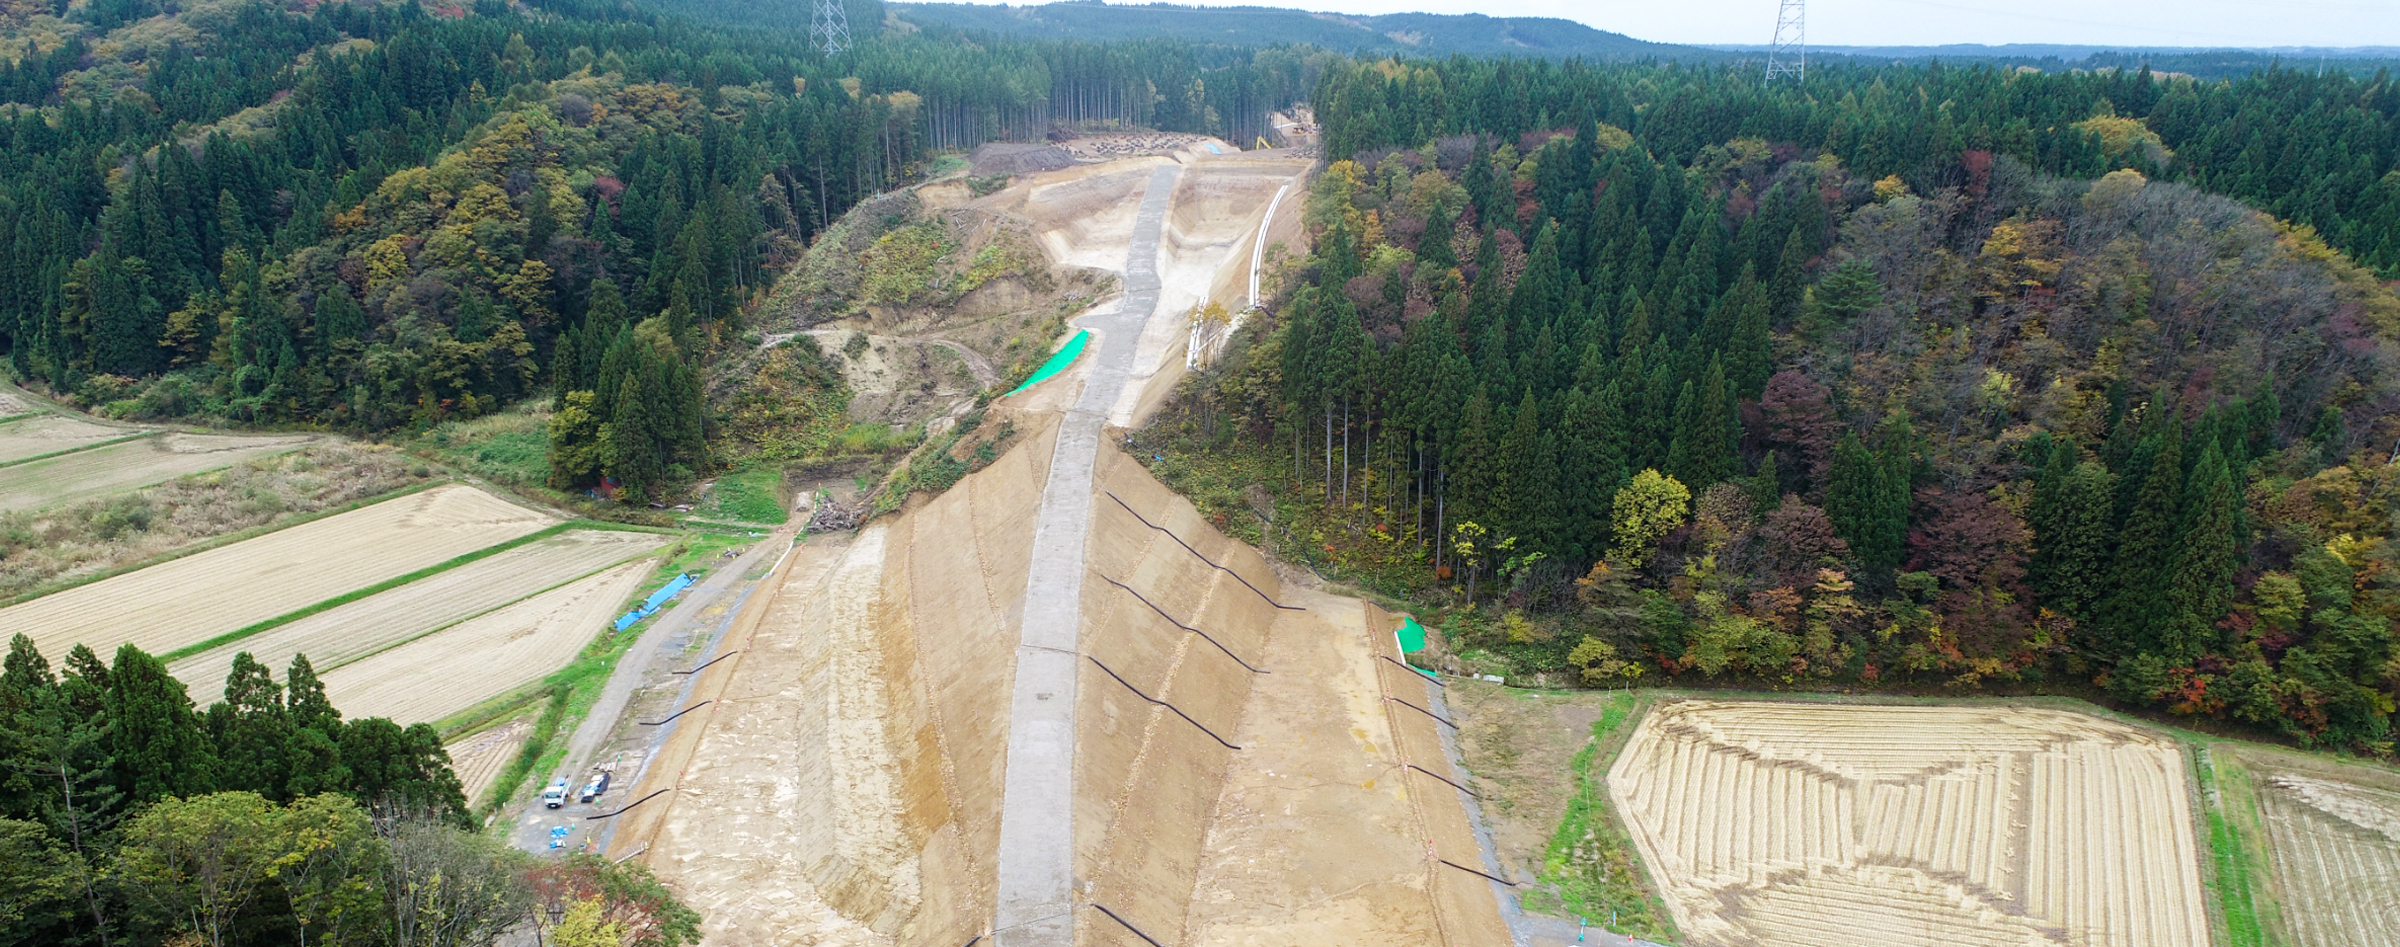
1913 376
2322 150
1425 34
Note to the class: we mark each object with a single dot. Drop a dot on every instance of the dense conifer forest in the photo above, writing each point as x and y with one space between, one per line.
1922 377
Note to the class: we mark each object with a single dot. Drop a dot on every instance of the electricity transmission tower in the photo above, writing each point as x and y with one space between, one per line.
829 28
1789 55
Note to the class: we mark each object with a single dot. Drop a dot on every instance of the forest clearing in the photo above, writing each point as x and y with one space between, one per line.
482 657
353 631
193 599
1776 823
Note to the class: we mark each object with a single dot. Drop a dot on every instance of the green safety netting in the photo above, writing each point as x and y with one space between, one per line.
1412 639
1058 362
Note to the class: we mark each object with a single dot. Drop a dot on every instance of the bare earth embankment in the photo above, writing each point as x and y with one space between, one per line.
1796 824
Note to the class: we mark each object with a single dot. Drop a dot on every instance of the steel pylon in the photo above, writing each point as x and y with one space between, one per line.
1788 56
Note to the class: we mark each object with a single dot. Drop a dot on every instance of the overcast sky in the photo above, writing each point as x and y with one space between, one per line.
1933 22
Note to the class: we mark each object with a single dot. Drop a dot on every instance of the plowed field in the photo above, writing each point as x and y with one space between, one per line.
443 673
203 595
1790 825
2336 850
478 757
50 433
353 631
116 468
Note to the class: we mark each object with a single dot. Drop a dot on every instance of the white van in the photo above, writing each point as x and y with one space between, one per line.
556 795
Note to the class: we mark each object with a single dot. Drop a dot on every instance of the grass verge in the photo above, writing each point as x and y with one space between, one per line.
1591 868
752 494
568 695
2236 848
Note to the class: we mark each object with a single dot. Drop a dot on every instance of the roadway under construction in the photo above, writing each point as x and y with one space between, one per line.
1054 705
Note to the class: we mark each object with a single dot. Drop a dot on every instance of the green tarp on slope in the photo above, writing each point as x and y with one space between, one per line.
1058 362
1412 639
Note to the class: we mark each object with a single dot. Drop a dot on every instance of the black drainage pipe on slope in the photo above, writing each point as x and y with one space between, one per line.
1137 932
1162 613
1137 692
1188 548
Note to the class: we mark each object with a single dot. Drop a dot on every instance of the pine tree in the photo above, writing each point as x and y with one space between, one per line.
2131 618
1591 466
2072 531
1700 452
1470 470
153 734
1857 500
633 458
2200 589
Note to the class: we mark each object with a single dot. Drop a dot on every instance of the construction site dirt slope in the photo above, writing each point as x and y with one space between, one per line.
845 785
1250 764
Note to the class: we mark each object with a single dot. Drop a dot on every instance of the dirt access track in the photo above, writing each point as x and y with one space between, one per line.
1055 706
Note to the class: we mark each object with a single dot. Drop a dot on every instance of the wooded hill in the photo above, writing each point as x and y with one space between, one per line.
1914 377
1423 34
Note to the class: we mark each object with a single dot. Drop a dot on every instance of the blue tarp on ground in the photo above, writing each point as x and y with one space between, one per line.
650 605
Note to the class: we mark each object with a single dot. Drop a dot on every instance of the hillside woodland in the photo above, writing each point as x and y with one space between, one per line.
1921 385
378 218
126 816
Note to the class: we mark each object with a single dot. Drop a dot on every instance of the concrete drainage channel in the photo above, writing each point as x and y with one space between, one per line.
1036 897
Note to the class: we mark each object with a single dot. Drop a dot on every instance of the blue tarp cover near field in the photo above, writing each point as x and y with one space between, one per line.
656 599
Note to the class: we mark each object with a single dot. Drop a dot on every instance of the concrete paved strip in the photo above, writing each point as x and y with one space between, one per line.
1037 812
602 719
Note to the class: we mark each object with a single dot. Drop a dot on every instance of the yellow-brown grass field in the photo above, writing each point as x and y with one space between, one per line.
454 669
51 433
384 620
198 597
116 468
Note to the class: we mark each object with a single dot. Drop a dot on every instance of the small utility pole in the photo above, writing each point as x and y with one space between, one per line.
1788 56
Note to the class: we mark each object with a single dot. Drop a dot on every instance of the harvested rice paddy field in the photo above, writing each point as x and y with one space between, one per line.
41 434
2333 842
126 465
1794 824
186 601
479 757
449 671
347 633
